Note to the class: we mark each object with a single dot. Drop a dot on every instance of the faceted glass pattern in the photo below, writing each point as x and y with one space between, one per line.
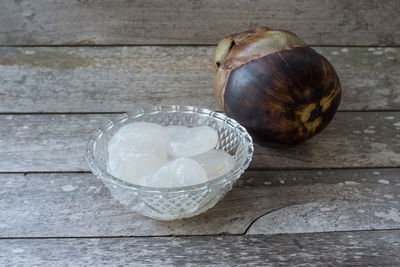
172 203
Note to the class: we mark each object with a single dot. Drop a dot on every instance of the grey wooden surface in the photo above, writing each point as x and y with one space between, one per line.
117 79
56 142
366 248
331 201
327 22
262 202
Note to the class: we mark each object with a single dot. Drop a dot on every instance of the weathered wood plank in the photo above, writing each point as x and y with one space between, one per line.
78 205
366 248
116 79
328 217
351 140
52 142
339 22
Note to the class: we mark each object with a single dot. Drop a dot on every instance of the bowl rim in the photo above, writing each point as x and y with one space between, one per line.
108 124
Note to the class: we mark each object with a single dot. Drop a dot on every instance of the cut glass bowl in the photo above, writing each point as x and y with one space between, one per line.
172 203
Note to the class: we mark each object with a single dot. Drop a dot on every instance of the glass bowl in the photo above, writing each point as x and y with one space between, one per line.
180 202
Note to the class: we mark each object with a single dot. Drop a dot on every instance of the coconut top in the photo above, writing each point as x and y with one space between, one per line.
241 48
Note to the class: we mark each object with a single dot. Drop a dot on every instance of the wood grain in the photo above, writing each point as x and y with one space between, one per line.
353 139
56 22
118 79
367 248
53 142
56 199
78 205
329 217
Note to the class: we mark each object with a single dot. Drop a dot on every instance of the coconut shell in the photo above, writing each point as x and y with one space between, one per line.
271 82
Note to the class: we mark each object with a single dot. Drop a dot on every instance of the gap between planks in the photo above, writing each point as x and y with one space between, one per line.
117 113
190 236
177 45
248 170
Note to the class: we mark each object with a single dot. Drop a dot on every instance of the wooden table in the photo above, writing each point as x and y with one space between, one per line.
65 67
